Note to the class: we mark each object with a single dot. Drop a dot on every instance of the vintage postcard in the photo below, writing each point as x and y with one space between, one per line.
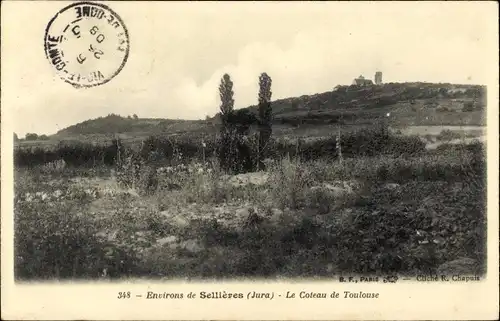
249 160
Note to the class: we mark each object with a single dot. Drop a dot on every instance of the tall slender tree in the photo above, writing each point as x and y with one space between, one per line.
265 116
226 148
226 96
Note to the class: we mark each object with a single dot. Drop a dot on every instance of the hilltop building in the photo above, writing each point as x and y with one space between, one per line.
378 78
361 81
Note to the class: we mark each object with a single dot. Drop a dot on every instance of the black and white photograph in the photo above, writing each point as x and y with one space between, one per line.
228 141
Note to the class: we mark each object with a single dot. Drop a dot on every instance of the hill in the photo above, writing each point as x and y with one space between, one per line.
113 123
400 104
405 101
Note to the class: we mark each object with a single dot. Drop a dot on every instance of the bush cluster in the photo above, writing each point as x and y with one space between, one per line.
366 142
75 154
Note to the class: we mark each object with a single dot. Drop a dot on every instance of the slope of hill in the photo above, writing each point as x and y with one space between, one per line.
361 104
400 104
117 124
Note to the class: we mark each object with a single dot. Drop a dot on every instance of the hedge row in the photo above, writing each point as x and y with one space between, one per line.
366 142
79 154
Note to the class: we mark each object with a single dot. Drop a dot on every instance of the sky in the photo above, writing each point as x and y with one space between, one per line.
180 50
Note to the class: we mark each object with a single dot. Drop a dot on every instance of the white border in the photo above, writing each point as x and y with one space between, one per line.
403 300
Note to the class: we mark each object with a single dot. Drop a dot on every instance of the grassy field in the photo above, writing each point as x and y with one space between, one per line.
368 215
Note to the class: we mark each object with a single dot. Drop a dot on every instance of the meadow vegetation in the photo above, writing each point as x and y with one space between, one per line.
244 204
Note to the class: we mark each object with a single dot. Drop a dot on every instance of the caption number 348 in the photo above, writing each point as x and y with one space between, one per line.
124 295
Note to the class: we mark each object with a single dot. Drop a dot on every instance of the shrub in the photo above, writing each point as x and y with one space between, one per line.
128 169
468 106
441 108
320 199
148 179
289 179
448 135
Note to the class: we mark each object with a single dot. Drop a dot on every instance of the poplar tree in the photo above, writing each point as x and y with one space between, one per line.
226 96
265 115
226 148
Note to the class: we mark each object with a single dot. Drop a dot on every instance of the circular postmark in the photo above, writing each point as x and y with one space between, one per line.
87 44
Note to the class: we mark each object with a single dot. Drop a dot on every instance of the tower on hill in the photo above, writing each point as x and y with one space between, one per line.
378 78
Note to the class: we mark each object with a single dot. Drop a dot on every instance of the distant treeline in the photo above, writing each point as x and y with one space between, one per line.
77 154
366 142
